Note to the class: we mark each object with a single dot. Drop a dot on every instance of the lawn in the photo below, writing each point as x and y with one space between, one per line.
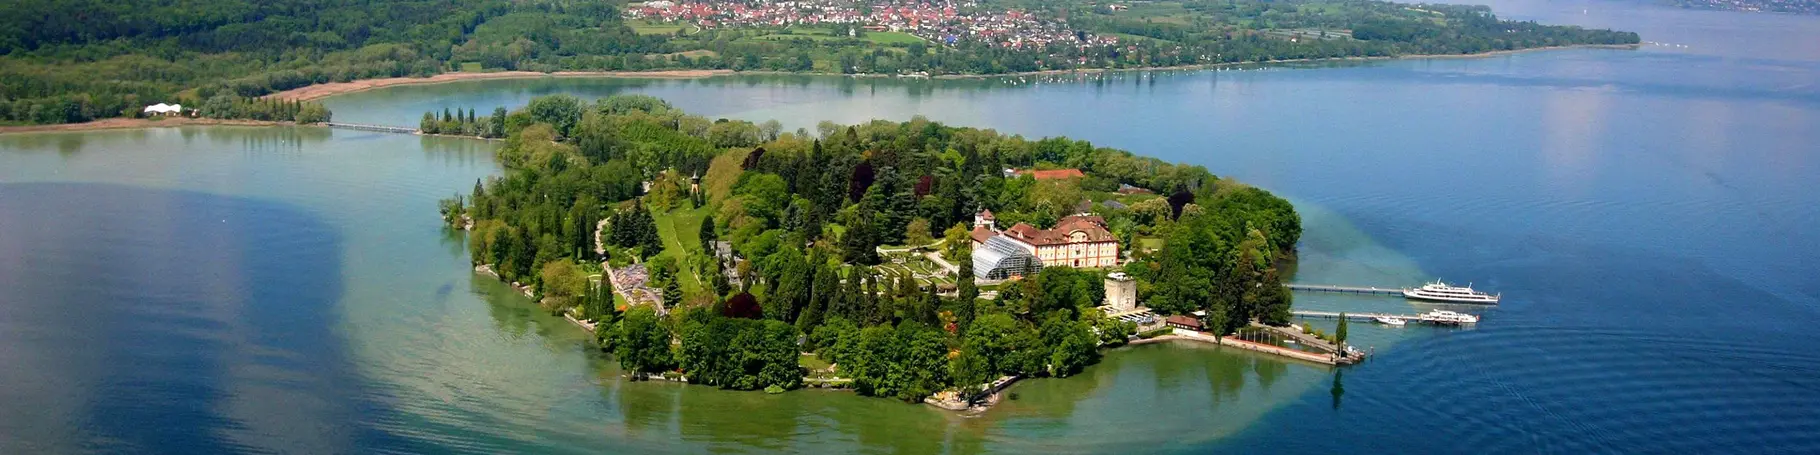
680 230
1150 243
812 362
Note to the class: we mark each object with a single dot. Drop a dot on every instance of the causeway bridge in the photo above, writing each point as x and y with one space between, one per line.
374 128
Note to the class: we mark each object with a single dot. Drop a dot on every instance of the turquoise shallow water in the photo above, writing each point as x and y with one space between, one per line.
1647 213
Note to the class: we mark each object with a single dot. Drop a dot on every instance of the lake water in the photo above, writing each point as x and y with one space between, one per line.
1648 214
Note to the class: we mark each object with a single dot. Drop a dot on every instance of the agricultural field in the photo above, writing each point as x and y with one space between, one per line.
658 28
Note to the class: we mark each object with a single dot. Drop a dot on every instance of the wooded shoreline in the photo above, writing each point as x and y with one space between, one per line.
118 123
319 91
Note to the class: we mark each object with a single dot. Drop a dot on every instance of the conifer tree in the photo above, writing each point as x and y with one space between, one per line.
930 309
708 237
673 293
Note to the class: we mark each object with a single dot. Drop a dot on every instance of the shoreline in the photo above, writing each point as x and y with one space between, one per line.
1203 66
120 123
1274 351
319 91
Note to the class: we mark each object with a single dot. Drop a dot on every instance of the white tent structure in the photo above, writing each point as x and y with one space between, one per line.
164 109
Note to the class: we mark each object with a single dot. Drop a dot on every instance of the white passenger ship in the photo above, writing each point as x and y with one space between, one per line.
1441 292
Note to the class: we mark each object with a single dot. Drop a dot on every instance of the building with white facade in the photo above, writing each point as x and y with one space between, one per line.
1121 292
1080 241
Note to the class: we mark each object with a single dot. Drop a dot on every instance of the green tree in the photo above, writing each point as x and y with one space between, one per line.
957 243
836 340
860 243
1339 332
673 294
908 362
1072 345
708 235
916 234
496 124
642 344
969 372
312 113
561 280
996 337
561 112
967 295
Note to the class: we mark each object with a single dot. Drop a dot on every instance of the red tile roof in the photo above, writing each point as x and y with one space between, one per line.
980 234
1184 321
1092 227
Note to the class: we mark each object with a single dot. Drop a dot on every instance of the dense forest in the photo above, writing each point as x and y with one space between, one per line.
804 214
65 61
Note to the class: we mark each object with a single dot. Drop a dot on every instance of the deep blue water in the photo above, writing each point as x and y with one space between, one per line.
210 312
1650 216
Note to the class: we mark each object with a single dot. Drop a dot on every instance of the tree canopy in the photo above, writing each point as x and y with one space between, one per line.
804 216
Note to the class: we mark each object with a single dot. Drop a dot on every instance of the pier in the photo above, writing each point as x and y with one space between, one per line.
374 128
1344 289
1444 318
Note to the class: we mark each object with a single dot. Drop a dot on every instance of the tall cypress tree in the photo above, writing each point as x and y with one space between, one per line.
708 236
929 311
673 293
825 288
870 305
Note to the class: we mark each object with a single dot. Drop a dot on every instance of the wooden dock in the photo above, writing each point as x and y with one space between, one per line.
1417 318
374 128
1344 289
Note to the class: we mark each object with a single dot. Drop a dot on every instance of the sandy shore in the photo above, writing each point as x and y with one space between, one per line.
337 88
124 123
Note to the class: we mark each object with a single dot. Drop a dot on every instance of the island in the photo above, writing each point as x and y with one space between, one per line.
910 260
72 61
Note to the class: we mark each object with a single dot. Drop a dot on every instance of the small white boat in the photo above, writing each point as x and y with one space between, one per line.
1389 321
1441 292
1449 317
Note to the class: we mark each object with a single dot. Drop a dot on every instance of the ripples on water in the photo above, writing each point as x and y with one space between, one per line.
136 318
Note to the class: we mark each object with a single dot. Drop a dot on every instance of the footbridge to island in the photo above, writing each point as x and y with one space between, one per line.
374 128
